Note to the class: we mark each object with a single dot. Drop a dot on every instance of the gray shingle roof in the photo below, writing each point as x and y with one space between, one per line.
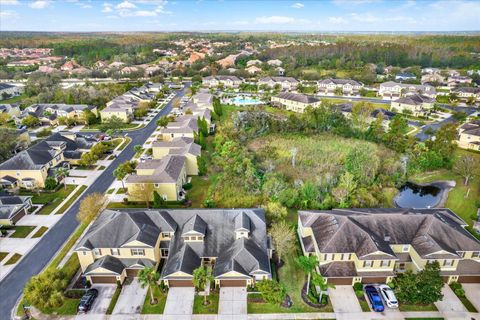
415 99
33 158
117 265
167 170
242 221
297 97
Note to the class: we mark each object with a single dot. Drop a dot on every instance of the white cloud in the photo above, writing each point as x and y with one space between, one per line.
126 5
107 7
274 20
39 4
297 5
9 2
337 20
8 14
352 2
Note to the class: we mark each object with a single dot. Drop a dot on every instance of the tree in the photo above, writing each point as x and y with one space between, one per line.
50 183
444 142
99 149
272 291
148 277
89 117
8 141
363 164
142 192
307 264
202 126
45 289
361 113
30 121
163 121
157 200
4 118
137 148
467 167
61 173
113 123
322 283
275 211
217 107
88 159
283 238
90 207
201 276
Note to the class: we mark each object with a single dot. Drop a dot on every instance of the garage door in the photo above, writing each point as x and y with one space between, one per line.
180 283
18 216
103 279
469 279
233 283
340 281
374 279
131 273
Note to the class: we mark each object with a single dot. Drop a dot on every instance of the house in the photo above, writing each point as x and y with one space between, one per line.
195 56
184 126
13 208
168 175
469 136
203 100
48 113
405 76
374 245
8 90
179 146
100 64
253 69
274 63
418 105
331 87
295 102
74 145
228 61
454 81
430 71
226 81
432 78
13 110
472 72
31 167
466 93
116 64
285 83
46 69
233 242
393 90
254 63
69 66
280 71
453 73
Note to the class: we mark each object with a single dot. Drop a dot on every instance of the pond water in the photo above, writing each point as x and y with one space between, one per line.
414 196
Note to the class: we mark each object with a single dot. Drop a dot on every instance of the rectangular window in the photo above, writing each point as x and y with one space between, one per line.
475 254
166 234
164 252
115 252
385 263
137 252
84 253
329 256
97 252
405 248
367 263
157 185
448 263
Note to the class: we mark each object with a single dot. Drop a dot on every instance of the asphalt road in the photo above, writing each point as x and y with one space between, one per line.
11 287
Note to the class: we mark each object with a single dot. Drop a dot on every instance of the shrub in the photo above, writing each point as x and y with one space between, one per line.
358 286
187 186
455 286
460 292
74 293
50 183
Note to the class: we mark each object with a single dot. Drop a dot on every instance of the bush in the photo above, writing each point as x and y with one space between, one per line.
358 286
74 293
45 290
50 183
359 293
460 292
187 186
455 286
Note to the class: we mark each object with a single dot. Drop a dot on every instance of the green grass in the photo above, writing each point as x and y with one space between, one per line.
211 308
161 300
13 259
40 232
101 168
110 191
3 255
14 99
71 200
69 307
124 143
199 191
470 307
114 300
363 304
22 231
51 200
417 307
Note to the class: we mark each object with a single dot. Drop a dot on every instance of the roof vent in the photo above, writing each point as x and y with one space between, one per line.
386 238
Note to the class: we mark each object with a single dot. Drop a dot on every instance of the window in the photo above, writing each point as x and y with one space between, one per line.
137 252
97 252
384 263
84 253
448 262
405 248
193 238
461 253
329 256
165 234
157 185
476 254
115 252
367 263
164 252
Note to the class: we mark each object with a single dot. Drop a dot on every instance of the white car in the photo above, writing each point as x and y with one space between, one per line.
388 296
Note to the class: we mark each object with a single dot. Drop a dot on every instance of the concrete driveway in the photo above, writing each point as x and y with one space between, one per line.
472 291
131 299
450 302
105 294
179 301
343 299
233 301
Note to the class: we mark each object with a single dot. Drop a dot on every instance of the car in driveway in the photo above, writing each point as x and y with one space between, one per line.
388 296
87 300
374 298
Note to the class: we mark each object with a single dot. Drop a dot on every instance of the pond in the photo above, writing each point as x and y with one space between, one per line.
412 195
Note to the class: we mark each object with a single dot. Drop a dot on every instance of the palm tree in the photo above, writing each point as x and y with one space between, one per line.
149 277
62 172
120 174
201 276
321 282
307 264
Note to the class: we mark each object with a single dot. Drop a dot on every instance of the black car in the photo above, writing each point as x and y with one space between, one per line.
87 300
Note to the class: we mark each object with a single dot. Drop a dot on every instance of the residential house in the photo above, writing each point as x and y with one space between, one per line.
348 87
405 76
465 93
454 81
432 78
116 64
274 63
280 71
69 65
233 242
13 208
472 72
167 175
228 61
13 110
184 126
8 90
431 71
179 146
195 56
418 105
346 109
30 168
48 113
295 102
469 136
374 245
253 69
46 69
392 90
74 145
203 100
285 83
254 63
226 81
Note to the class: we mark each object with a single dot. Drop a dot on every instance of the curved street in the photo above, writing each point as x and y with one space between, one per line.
11 287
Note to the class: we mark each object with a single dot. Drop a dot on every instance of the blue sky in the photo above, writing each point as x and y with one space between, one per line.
184 15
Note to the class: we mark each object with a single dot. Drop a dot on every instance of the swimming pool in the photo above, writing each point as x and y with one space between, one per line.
243 101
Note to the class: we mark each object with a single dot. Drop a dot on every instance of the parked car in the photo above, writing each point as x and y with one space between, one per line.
388 296
87 300
374 298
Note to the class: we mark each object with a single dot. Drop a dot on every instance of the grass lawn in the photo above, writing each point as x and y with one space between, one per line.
465 207
3 255
14 99
417 307
199 191
51 200
470 307
211 308
161 300
114 300
124 143
22 231
13 259
110 191
69 307
101 168
364 304
71 200
40 232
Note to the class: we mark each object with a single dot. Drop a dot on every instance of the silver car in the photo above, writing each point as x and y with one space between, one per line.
388 296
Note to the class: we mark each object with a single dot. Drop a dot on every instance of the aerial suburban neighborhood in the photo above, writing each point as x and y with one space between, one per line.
239 160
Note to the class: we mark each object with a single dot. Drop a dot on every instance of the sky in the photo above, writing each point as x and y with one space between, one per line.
237 15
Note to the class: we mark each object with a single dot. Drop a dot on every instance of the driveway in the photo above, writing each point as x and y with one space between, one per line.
343 299
105 293
179 301
472 291
233 302
450 302
131 299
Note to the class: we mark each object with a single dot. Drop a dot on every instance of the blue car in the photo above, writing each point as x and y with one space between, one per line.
374 298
